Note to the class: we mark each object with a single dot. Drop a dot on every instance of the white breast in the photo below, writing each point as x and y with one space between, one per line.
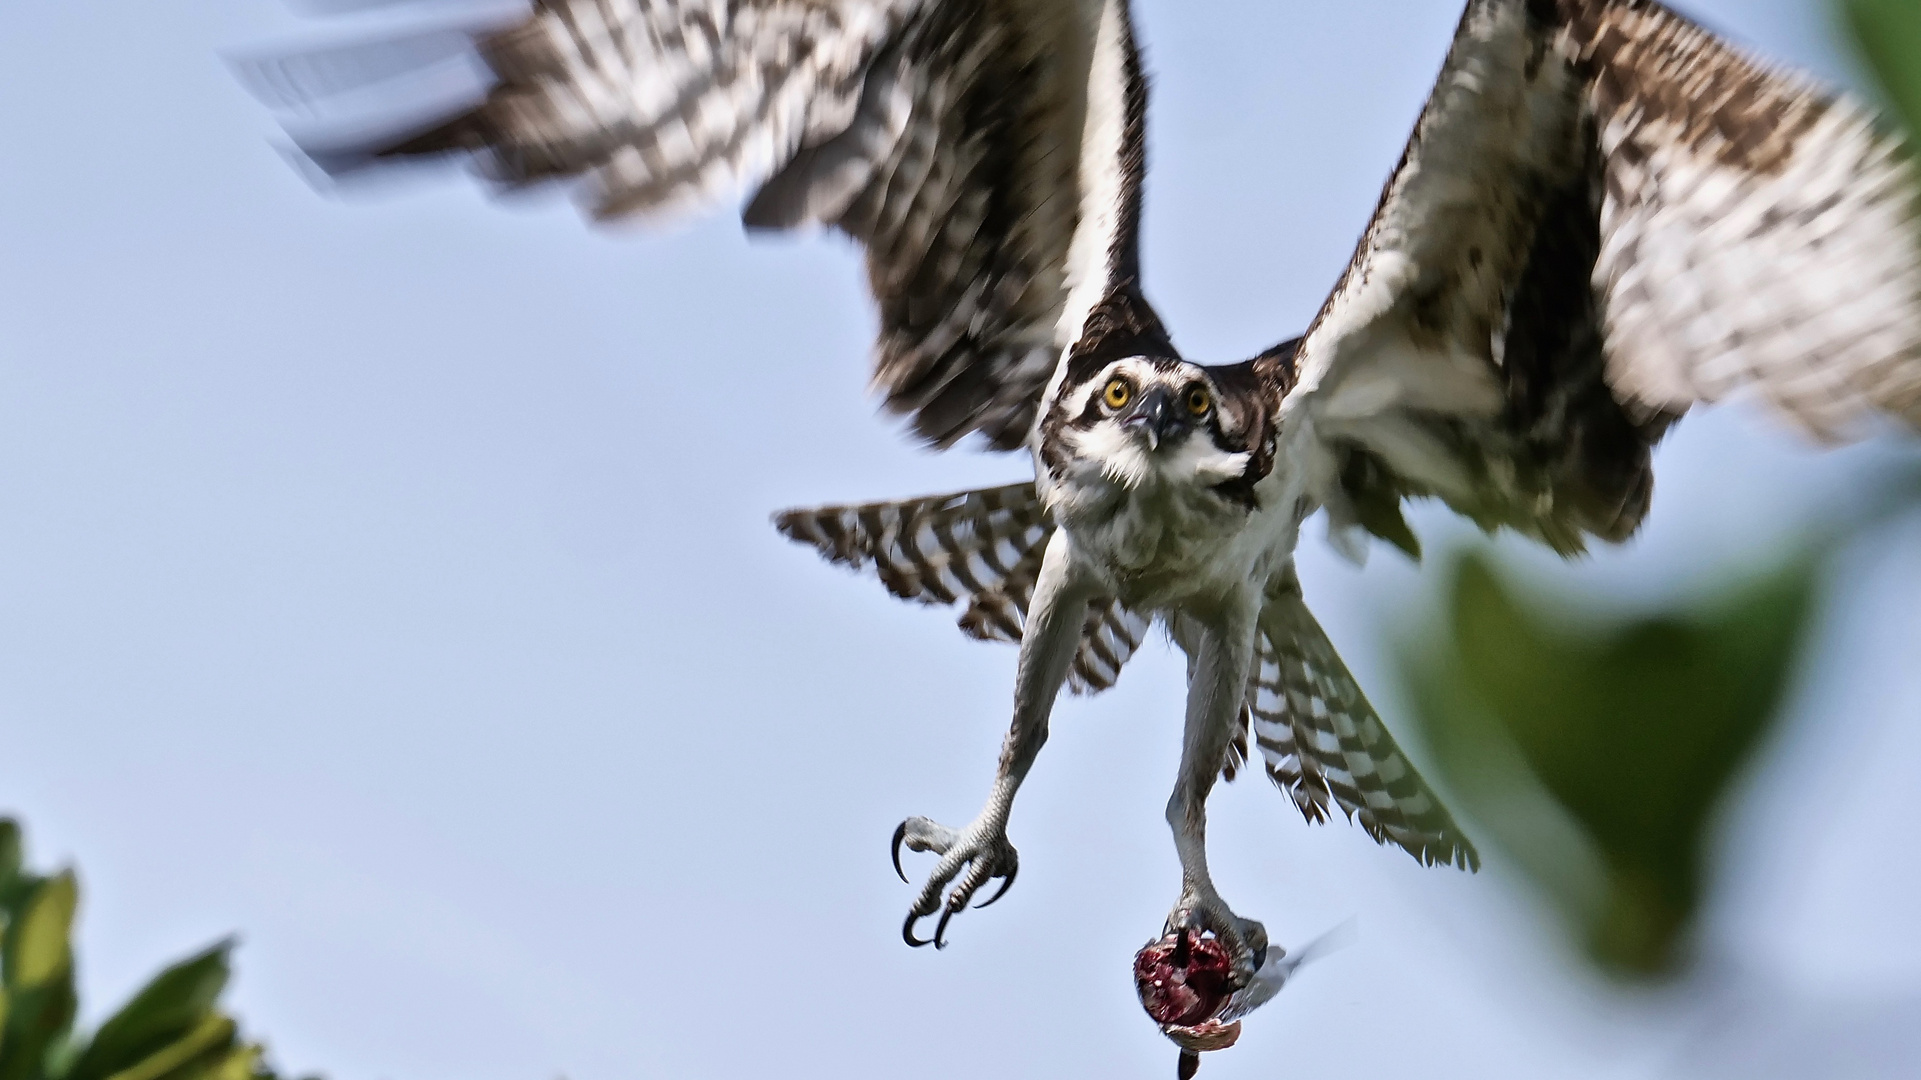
1162 545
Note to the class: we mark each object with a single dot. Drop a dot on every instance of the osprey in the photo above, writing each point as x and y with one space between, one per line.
1604 216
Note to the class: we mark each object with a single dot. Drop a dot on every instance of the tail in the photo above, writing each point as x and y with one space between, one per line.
1321 739
982 547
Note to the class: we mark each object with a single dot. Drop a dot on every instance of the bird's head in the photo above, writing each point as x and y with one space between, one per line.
1146 418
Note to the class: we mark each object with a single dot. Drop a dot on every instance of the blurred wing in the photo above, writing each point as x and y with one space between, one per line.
986 153
1322 741
1604 216
1757 230
1280 966
983 547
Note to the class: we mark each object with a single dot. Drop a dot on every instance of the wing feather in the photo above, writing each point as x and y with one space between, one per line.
1605 216
931 131
1759 230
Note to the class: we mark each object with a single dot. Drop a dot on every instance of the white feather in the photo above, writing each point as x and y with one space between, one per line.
1101 181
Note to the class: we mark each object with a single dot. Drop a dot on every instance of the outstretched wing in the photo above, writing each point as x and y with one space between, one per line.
1606 215
983 547
986 153
1322 741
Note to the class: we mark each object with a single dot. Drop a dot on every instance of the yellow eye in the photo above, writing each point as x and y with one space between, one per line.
1199 400
1118 393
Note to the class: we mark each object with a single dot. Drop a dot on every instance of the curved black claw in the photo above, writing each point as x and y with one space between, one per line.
940 928
1007 883
907 931
970 859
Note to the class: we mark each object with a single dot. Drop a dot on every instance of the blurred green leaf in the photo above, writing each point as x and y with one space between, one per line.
171 1030
1889 35
37 970
173 1004
38 1021
240 1063
10 856
1631 734
60 1055
36 948
15 884
202 1047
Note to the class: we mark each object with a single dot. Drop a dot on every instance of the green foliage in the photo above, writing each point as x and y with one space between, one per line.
1595 758
36 972
173 1028
1889 35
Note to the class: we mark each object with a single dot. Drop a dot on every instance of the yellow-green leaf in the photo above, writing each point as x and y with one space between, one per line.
40 946
238 1065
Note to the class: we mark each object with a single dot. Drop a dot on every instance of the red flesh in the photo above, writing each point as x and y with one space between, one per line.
1183 979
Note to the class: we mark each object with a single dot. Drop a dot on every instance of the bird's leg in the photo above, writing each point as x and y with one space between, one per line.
1216 687
980 852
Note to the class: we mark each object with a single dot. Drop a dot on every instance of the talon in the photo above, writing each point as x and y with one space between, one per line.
970 858
900 836
1245 939
940 928
907 931
1006 884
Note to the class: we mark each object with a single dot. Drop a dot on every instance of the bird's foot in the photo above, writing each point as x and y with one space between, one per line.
981 850
1245 939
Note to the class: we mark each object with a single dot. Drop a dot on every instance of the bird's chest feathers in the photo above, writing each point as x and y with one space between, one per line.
1157 542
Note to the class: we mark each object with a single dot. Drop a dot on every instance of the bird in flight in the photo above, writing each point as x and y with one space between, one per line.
1605 215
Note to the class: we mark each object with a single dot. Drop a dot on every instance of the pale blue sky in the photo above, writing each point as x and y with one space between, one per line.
388 579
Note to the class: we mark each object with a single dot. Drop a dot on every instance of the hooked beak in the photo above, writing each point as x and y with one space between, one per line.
1158 418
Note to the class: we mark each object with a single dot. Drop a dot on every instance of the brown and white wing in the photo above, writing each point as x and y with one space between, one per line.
1757 230
986 153
982 548
1322 743
1606 215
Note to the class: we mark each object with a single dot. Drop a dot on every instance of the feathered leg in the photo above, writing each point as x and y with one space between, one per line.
1053 633
1222 656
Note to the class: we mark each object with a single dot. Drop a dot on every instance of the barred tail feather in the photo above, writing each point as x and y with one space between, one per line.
1111 637
934 550
1322 742
983 547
